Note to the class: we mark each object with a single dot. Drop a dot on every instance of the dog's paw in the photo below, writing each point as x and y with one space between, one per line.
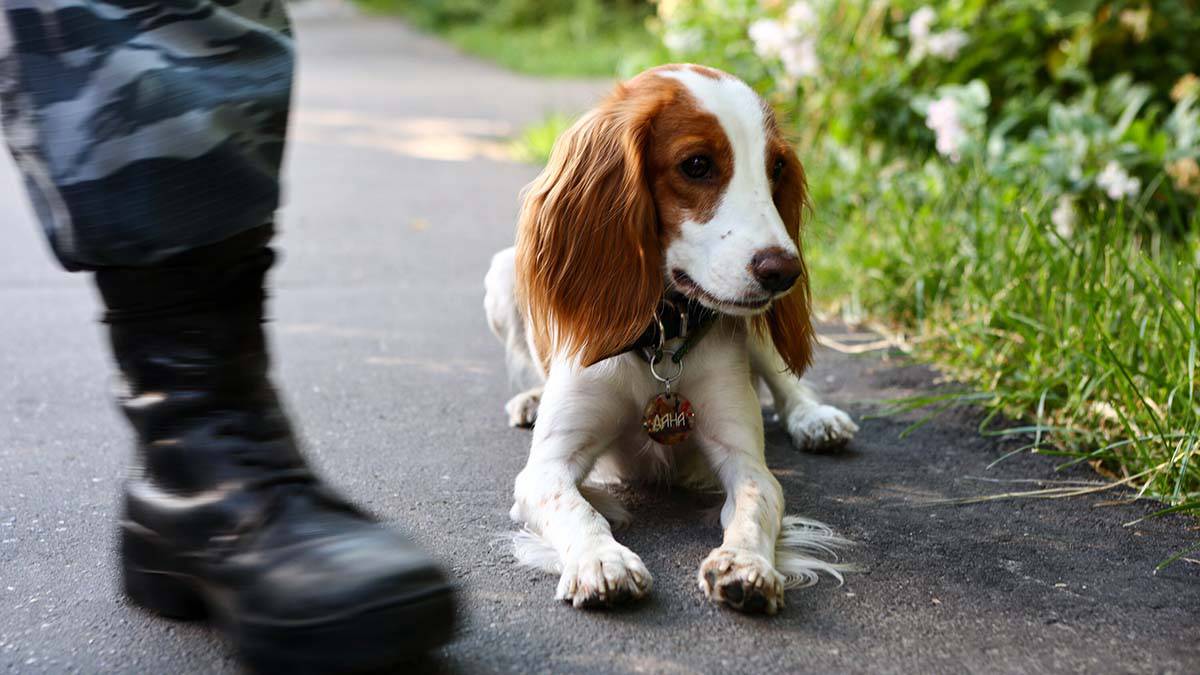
604 576
522 408
742 579
820 428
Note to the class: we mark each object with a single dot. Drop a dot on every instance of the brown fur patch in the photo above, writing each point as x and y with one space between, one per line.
706 71
684 130
589 259
711 73
595 223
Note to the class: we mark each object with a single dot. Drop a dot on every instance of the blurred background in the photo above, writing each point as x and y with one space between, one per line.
1006 188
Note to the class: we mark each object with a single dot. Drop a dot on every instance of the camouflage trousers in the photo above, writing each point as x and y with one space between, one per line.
145 128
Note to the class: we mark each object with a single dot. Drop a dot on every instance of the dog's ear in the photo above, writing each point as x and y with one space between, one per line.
589 259
789 321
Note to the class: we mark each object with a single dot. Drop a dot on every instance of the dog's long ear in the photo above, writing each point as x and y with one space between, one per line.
789 320
589 259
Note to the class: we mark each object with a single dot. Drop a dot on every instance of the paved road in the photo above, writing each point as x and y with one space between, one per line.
398 194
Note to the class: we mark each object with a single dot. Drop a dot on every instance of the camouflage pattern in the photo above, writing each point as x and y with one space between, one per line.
145 128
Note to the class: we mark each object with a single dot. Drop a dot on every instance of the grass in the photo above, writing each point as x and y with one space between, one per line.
589 41
535 142
1091 337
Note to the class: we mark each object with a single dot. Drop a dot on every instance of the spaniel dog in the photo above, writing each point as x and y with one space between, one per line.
664 232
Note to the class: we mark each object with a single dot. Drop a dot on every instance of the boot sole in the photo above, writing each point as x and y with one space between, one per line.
374 638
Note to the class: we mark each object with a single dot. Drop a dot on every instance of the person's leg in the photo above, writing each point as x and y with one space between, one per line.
144 130
150 138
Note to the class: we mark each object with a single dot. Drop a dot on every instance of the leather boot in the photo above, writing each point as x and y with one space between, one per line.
223 519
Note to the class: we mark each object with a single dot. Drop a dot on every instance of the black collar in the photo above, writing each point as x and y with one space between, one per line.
678 317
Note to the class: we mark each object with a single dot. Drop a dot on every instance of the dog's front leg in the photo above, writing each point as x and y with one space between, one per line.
747 572
811 424
741 572
574 428
729 432
596 569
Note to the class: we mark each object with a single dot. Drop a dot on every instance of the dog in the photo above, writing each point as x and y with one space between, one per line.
667 216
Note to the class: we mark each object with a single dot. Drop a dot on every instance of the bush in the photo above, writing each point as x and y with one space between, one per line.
1095 100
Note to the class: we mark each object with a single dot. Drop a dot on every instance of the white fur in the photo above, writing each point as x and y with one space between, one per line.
588 420
533 551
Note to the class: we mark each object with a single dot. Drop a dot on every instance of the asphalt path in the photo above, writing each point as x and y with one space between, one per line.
399 189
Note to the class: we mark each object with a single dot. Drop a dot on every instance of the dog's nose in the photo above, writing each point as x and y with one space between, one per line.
775 269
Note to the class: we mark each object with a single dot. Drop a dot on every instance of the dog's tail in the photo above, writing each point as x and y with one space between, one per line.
805 548
534 552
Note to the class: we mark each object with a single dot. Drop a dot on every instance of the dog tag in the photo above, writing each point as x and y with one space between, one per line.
668 418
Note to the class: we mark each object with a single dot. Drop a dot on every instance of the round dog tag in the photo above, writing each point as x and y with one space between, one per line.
668 418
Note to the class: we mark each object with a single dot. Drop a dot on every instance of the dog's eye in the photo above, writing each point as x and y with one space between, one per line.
777 169
696 167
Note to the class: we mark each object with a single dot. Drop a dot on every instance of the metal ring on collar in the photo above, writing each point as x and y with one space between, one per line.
660 378
662 333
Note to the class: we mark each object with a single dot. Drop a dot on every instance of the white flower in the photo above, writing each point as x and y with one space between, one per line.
791 40
945 119
947 44
1137 21
801 18
920 22
800 58
1063 216
683 40
769 38
668 8
1117 183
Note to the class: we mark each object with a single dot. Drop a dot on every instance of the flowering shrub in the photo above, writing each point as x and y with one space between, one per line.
1094 99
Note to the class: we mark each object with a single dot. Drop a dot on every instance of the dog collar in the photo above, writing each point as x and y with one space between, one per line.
675 318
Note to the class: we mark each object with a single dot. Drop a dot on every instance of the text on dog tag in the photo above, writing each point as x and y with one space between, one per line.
668 418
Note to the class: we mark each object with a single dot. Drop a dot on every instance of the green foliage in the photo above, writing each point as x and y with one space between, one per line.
1098 97
544 37
535 143
591 14
1092 337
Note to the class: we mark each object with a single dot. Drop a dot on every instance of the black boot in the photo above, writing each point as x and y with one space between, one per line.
223 519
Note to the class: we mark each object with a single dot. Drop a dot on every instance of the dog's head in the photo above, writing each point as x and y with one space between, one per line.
680 178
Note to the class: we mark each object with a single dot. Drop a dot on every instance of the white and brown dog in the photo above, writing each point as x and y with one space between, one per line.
678 184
